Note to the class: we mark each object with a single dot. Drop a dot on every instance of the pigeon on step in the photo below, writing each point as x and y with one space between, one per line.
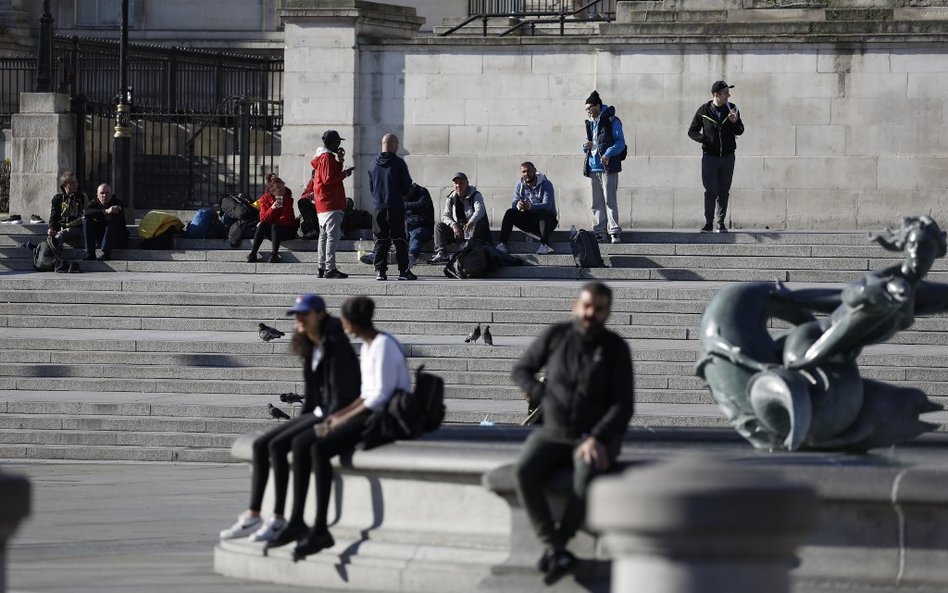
277 413
291 398
268 333
474 336
488 339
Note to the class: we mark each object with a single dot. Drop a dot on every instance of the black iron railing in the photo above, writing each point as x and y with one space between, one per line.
17 75
534 12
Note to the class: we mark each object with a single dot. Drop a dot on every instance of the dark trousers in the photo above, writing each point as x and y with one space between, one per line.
110 234
534 221
309 220
546 452
270 450
716 175
444 234
275 233
341 440
390 228
417 237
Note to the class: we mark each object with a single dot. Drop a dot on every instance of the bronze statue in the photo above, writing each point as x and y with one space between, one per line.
802 389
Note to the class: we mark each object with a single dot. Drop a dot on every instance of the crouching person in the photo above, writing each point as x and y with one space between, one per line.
384 371
587 404
332 381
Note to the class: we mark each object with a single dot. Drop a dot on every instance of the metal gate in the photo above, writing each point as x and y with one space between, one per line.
205 123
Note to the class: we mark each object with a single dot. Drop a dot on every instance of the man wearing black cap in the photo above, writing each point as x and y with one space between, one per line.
715 126
330 197
464 217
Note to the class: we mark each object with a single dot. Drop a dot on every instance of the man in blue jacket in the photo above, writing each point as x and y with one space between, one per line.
419 221
390 182
605 150
533 209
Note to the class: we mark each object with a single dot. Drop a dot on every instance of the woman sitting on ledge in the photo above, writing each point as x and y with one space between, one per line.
384 372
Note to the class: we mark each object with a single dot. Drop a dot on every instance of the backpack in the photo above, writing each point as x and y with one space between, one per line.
471 262
239 208
240 230
201 225
585 250
48 257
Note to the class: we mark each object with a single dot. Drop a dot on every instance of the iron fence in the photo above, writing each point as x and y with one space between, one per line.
17 75
602 9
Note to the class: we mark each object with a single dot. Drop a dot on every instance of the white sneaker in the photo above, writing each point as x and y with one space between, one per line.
544 249
616 239
502 247
244 526
269 530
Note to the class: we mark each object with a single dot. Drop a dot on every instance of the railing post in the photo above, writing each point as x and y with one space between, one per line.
44 66
122 139
699 525
244 168
171 82
14 507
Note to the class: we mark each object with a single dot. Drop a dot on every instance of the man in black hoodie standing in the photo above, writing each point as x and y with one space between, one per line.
588 401
715 126
390 182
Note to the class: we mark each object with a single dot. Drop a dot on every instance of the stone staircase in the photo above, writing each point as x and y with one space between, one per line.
156 358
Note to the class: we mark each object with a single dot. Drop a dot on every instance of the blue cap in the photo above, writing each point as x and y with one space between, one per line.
306 303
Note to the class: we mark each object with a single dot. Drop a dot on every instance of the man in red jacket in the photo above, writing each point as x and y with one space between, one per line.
330 195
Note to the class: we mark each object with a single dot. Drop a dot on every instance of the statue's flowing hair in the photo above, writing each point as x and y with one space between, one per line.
913 228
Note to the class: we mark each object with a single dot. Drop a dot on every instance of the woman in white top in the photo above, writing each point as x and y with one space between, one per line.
384 371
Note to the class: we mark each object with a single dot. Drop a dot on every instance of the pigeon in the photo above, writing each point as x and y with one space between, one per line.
488 339
268 333
475 335
291 398
278 413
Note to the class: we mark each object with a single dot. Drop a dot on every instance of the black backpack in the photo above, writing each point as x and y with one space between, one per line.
407 415
238 208
471 262
585 250
48 257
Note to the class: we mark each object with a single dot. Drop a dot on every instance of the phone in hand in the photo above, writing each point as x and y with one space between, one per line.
349 171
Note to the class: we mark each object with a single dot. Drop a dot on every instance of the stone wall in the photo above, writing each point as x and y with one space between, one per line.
838 136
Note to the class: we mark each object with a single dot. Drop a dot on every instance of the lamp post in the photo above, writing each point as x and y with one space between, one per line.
44 66
122 139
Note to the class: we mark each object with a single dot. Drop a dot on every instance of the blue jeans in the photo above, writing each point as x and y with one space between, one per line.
417 237
110 234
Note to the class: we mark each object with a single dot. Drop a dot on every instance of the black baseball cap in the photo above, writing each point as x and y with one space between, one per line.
459 175
306 303
720 85
332 136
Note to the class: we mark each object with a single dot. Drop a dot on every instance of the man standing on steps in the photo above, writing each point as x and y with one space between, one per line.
716 126
605 150
330 197
588 400
389 183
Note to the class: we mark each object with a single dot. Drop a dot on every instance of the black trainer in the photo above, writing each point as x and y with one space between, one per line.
561 564
253 258
334 273
707 228
368 259
321 273
722 228
407 275
312 544
275 258
381 276
439 258
291 532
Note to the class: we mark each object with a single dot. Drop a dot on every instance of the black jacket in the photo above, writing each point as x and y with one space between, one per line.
337 380
588 387
389 181
67 211
95 211
419 209
717 136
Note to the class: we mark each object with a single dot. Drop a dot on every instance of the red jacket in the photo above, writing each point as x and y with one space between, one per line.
284 216
327 182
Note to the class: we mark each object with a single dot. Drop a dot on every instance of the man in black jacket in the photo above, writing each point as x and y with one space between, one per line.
419 221
67 209
390 182
588 400
715 126
104 224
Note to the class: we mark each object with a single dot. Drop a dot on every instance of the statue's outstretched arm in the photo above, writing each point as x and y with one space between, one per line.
821 300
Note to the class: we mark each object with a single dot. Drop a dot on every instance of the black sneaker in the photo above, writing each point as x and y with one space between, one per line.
253 258
291 532
312 544
106 256
36 220
600 238
560 564
543 564
275 258
439 258
722 228
707 228
407 275
334 273
12 219
368 259
381 276
321 273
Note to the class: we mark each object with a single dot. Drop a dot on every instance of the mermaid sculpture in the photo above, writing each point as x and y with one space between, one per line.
802 388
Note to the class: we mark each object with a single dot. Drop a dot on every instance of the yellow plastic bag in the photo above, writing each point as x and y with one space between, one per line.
157 222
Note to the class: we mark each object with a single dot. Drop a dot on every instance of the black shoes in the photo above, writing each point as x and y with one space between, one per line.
707 228
290 533
407 275
312 544
334 273
722 228
557 564
275 258
253 258
381 276
106 256
321 273
440 258
36 220
368 259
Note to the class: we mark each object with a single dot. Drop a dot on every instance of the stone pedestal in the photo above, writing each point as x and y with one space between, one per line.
698 525
44 146
14 506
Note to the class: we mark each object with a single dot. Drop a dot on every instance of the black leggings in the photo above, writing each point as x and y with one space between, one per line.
275 233
340 440
272 447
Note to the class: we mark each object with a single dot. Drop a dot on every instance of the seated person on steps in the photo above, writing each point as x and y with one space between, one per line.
419 221
332 381
104 224
277 219
67 210
463 217
309 221
533 210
